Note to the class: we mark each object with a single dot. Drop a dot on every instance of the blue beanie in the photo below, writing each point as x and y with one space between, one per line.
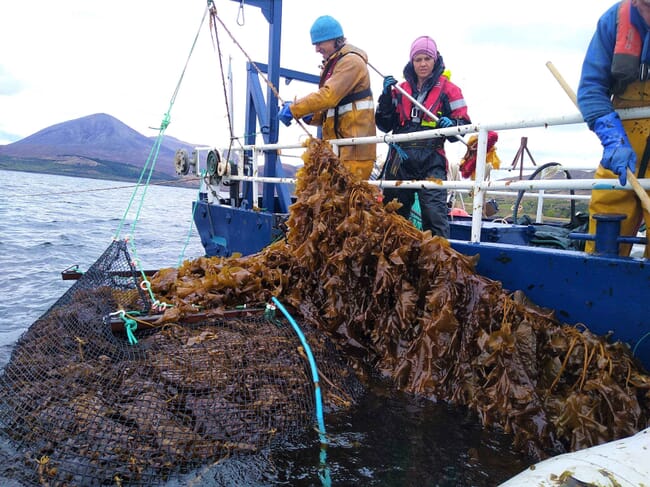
325 28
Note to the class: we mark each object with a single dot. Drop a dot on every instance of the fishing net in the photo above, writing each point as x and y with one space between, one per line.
90 404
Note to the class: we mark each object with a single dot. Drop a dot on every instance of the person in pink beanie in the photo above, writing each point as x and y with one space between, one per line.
425 80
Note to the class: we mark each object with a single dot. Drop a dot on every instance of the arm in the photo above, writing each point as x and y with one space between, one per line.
454 106
386 117
348 76
594 100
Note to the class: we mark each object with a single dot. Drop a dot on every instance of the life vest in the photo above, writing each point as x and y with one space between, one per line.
408 112
345 105
626 61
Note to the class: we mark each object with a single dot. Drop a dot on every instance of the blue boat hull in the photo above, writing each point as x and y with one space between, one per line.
604 293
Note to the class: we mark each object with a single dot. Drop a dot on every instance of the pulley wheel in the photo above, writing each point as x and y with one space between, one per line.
182 162
212 162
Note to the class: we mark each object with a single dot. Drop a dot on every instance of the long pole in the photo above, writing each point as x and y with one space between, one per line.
636 186
415 102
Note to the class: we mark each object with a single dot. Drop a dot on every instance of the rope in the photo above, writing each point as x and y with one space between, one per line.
181 257
215 40
172 182
215 17
148 170
153 154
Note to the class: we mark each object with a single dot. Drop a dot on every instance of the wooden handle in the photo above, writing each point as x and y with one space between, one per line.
636 186
640 192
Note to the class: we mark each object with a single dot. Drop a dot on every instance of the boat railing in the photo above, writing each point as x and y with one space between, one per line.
480 186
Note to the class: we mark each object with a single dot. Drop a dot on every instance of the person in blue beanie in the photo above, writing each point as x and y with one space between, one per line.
616 74
343 105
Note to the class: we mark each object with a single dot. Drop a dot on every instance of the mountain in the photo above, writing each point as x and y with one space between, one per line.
96 146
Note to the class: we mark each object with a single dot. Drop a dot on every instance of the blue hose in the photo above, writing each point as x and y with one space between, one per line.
314 371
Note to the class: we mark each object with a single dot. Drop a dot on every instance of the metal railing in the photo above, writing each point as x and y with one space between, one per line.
479 187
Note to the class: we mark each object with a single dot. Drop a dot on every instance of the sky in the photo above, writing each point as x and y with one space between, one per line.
67 59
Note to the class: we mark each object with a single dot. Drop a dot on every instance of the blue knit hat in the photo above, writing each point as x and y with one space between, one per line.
325 28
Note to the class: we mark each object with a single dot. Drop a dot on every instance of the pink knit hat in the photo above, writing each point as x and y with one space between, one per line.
424 45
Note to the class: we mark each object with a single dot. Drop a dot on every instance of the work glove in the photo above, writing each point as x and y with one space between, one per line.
389 82
285 114
444 122
618 155
307 118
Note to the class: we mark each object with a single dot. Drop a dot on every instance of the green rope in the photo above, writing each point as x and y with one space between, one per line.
181 257
130 325
147 170
155 150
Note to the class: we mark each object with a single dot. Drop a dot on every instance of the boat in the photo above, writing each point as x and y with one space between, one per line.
618 463
603 291
174 398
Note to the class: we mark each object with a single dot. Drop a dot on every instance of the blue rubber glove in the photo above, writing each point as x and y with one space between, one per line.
389 82
444 122
285 114
618 155
307 118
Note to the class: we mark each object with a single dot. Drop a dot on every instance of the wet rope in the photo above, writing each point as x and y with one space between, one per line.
214 17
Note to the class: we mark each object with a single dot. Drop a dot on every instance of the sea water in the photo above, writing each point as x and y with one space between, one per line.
50 223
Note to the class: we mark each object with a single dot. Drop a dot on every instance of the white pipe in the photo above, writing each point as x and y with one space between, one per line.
477 189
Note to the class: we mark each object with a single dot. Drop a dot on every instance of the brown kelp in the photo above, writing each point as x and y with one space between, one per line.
406 304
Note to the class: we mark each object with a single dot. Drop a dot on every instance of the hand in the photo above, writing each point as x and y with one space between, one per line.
389 81
444 122
618 155
285 114
307 118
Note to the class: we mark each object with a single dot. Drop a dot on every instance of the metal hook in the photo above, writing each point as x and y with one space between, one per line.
240 14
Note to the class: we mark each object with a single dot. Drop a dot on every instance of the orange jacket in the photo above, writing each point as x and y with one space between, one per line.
349 75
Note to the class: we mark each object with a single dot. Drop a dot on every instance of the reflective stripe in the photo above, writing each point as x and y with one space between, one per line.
455 105
360 105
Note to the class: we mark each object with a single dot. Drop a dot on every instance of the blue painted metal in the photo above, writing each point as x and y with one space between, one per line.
608 234
461 229
602 292
225 230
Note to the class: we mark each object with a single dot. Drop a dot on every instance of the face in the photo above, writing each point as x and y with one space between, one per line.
423 65
326 48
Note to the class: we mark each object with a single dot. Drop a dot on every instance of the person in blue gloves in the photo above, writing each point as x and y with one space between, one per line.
616 74
427 82
343 104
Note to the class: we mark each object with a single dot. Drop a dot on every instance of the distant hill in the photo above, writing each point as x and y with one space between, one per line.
96 146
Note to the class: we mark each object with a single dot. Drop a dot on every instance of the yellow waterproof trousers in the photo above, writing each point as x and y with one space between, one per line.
622 201
360 169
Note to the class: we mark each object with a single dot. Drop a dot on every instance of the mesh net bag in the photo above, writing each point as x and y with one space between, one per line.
88 407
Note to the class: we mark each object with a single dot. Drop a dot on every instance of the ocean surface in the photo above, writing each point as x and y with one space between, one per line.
50 223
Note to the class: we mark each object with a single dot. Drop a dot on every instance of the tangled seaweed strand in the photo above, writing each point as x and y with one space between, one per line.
408 305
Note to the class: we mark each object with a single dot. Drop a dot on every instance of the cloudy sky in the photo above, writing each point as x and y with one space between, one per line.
66 59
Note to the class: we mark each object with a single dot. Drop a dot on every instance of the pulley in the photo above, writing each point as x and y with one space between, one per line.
182 162
212 162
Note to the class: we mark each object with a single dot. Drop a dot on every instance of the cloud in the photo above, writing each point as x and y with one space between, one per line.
8 84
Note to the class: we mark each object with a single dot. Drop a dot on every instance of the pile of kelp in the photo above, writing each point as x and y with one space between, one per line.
407 305
92 396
